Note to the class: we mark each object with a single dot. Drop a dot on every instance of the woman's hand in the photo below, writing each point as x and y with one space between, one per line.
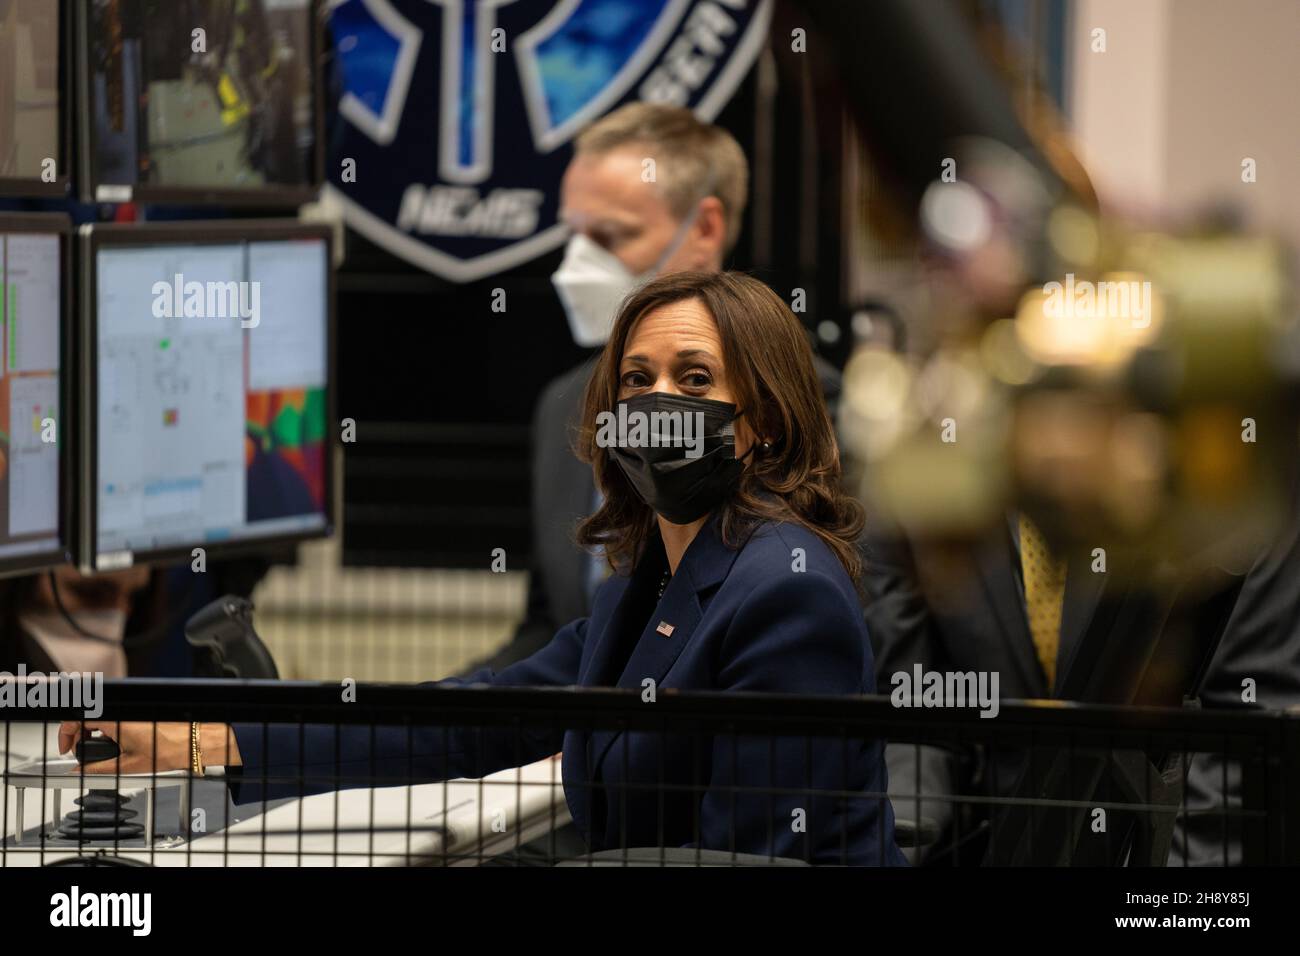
147 747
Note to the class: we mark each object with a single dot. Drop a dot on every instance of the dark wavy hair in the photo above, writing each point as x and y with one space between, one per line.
769 366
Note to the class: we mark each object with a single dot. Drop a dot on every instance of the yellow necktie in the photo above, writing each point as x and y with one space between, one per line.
1044 578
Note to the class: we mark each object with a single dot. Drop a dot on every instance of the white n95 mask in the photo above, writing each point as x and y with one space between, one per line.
591 283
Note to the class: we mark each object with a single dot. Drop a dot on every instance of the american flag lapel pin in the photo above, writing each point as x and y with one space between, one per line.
665 629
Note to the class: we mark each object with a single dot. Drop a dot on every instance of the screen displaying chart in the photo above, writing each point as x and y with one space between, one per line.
30 302
212 366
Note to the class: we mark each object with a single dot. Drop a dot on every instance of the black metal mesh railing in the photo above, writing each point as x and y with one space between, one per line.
431 775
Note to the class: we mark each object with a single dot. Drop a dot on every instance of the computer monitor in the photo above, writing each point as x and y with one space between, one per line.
35 123
207 354
35 392
212 102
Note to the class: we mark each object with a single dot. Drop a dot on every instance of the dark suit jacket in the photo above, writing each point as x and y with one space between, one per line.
981 626
1262 644
742 620
563 494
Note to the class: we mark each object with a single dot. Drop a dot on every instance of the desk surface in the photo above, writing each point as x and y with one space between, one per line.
459 822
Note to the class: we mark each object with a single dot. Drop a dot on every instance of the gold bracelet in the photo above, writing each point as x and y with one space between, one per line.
196 752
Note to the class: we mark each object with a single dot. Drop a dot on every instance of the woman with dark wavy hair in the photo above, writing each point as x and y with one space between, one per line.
732 561
739 345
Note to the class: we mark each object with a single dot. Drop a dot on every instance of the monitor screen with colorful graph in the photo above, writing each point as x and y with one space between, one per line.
33 308
209 420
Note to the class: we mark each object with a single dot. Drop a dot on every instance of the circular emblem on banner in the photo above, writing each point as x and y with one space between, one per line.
457 116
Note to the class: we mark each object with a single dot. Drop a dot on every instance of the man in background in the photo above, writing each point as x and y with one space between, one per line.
1022 611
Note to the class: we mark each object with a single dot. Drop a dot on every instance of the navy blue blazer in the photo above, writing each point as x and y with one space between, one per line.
779 614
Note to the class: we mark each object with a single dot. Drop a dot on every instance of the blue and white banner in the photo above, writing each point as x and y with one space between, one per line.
458 115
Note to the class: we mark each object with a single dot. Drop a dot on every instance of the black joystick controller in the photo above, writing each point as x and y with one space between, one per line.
95 749
100 814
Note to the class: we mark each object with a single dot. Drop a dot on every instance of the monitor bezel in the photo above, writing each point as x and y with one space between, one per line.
56 224
35 187
272 196
93 238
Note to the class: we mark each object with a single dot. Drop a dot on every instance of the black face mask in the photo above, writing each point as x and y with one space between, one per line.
680 488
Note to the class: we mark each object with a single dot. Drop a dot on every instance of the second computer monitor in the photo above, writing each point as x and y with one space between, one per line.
34 297
208 360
